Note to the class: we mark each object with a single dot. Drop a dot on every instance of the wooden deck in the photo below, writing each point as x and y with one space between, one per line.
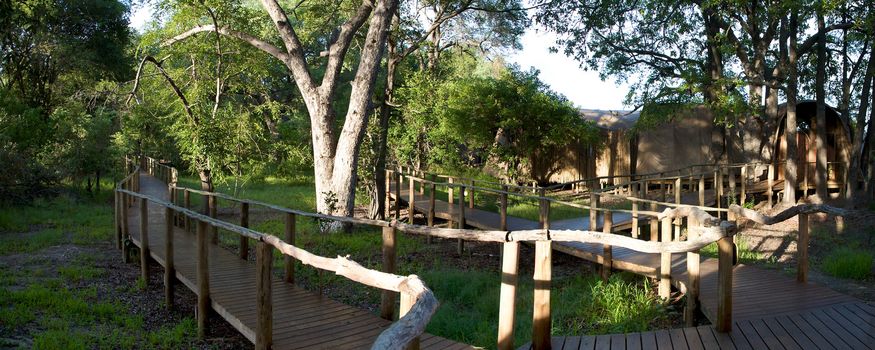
840 326
301 319
756 292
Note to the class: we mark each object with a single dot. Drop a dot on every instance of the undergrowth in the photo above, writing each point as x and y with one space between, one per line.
847 262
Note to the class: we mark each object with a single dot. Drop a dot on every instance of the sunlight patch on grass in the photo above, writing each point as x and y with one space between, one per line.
848 262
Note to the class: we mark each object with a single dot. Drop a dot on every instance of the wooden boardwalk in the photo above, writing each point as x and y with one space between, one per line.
756 292
301 319
840 326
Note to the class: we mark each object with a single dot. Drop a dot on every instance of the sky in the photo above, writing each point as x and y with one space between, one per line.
563 74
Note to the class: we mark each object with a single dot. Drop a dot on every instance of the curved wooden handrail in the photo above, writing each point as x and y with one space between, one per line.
786 214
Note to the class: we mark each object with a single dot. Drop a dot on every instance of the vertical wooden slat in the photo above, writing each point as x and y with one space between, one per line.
169 265
388 193
725 249
144 240
431 209
411 199
214 231
502 208
203 279
186 198
460 244
471 195
693 262
635 227
541 321
244 222
802 249
743 185
507 299
289 263
770 182
677 190
263 296
593 211
387 302
654 225
544 206
405 304
397 195
607 250
665 263
702 190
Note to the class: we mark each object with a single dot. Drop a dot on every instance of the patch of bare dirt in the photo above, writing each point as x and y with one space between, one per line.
117 282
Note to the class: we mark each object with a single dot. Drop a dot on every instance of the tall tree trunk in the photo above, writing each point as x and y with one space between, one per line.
377 209
857 148
820 179
790 126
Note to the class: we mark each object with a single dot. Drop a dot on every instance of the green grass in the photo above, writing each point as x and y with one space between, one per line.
846 262
745 254
580 305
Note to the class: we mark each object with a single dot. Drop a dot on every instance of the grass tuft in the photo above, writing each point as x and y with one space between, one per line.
848 262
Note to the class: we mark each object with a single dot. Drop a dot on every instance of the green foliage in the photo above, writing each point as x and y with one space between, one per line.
846 262
745 254
498 114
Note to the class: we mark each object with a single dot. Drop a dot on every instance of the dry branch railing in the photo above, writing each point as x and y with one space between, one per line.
418 303
702 229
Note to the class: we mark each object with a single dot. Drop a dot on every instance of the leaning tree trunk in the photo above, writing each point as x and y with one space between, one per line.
790 126
820 179
855 163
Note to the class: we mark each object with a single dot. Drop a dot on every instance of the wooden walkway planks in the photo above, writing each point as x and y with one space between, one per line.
848 325
756 292
301 319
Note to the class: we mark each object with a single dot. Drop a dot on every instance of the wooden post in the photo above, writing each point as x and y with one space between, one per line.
677 190
732 187
431 209
244 222
665 263
471 196
544 205
702 190
719 184
502 208
635 227
263 296
126 233
662 188
214 231
169 266
186 198
724 284
541 322
450 190
593 211
411 199
422 183
203 279
693 262
654 225
397 196
387 302
117 214
607 250
144 240
743 185
507 300
802 249
388 193
805 179
460 248
289 263
405 305
770 183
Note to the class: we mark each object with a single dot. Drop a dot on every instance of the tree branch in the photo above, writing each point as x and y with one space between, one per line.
812 40
170 81
338 48
256 42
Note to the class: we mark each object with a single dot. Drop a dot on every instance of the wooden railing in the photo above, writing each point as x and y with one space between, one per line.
418 303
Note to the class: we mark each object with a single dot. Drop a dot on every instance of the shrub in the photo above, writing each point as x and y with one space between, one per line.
847 262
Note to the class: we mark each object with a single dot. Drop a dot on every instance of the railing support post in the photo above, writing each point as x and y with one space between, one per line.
607 250
460 244
541 321
264 298
397 195
507 300
406 303
593 211
665 263
144 240
244 222
431 208
290 239
214 231
186 198
169 265
387 302
411 199
724 284
118 218
802 249
203 279
770 182
693 280
502 208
